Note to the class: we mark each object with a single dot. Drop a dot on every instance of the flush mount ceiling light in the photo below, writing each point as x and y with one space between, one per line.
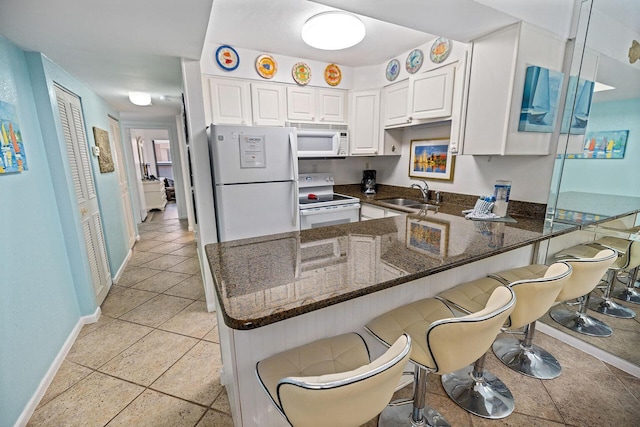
140 98
333 31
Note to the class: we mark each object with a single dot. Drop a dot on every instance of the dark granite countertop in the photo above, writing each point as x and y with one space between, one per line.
271 278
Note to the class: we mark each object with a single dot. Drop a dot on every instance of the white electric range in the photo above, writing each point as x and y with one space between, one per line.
320 206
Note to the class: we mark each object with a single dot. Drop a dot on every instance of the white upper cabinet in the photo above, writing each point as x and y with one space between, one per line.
268 104
499 65
307 104
364 123
431 93
395 101
229 101
423 98
301 103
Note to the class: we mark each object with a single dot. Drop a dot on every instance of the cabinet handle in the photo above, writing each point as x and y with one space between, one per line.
409 119
322 119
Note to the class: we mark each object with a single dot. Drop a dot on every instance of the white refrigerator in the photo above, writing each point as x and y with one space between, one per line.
255 180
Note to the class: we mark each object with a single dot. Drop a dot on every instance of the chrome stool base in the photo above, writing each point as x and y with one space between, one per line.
628 294
399 414
581 323
613 309
484 396
532 360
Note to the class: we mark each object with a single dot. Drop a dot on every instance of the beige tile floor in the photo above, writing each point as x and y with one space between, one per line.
153 359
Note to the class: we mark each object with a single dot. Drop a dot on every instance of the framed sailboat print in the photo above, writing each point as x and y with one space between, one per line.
540 100
577 106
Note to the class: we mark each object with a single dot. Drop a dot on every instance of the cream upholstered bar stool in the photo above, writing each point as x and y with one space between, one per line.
441 344
528 358
475 389
628 255
589 265
331 382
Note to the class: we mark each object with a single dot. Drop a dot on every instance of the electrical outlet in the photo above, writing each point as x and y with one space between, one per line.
366 165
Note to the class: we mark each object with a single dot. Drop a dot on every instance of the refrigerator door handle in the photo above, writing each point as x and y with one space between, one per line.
294 168
294 156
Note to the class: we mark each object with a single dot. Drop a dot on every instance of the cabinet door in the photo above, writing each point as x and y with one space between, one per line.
363 253
301 103
331 106
365 123
268 104
431 94
395 104
230 101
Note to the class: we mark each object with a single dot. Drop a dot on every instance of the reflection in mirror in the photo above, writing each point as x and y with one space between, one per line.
596 174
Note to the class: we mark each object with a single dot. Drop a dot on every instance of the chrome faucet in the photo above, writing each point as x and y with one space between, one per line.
424 189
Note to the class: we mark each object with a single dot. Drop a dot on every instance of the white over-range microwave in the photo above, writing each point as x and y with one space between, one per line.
323 142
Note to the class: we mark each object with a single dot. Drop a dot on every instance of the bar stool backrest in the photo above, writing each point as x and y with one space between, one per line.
457 342
348 398
536 296
587 273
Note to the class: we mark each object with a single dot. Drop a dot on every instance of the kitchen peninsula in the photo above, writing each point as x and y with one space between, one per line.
280 291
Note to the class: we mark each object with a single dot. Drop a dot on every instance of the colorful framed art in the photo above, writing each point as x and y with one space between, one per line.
266 66
301 73
105 159
604 144
227 58
429 237
440 50
12 155
431 159
393 69
414 61
332 75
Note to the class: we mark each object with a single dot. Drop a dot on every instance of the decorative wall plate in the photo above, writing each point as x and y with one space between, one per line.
227 58
266 66
414 61
332 75
440 50
393 69
301 73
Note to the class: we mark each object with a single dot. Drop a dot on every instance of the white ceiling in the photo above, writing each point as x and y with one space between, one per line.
118 46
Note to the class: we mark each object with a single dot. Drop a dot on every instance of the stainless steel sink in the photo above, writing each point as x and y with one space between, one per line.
400 202
409 204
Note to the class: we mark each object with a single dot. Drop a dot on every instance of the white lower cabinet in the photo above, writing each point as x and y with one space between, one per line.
368 212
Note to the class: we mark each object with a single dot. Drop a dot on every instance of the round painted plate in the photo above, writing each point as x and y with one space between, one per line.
393 69
227 58
332 75
301 73
414 61
266 66
440 50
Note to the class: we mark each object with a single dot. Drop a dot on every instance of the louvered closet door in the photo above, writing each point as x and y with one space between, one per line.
121 170
72 122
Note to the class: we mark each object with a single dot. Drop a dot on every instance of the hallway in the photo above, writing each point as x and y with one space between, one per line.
153 359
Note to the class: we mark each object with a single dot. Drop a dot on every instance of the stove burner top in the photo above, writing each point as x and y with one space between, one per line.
323 198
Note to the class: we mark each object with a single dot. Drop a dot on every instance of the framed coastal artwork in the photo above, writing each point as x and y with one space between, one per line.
12 155
606 144
429 237
577 106
540 100
431 159
105 159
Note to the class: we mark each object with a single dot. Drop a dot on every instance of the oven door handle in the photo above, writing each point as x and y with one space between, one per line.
340 208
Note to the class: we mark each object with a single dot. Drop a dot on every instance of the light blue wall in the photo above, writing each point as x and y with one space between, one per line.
38 304
609 176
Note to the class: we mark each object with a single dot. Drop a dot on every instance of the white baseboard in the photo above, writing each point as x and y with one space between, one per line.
53 369
594 351
118 275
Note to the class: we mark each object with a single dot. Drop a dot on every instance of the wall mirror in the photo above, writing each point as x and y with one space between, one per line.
585 188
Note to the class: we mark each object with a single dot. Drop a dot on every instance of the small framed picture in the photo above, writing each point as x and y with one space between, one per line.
431 159
429 237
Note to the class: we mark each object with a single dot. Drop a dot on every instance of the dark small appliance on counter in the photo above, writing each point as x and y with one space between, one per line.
368 184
